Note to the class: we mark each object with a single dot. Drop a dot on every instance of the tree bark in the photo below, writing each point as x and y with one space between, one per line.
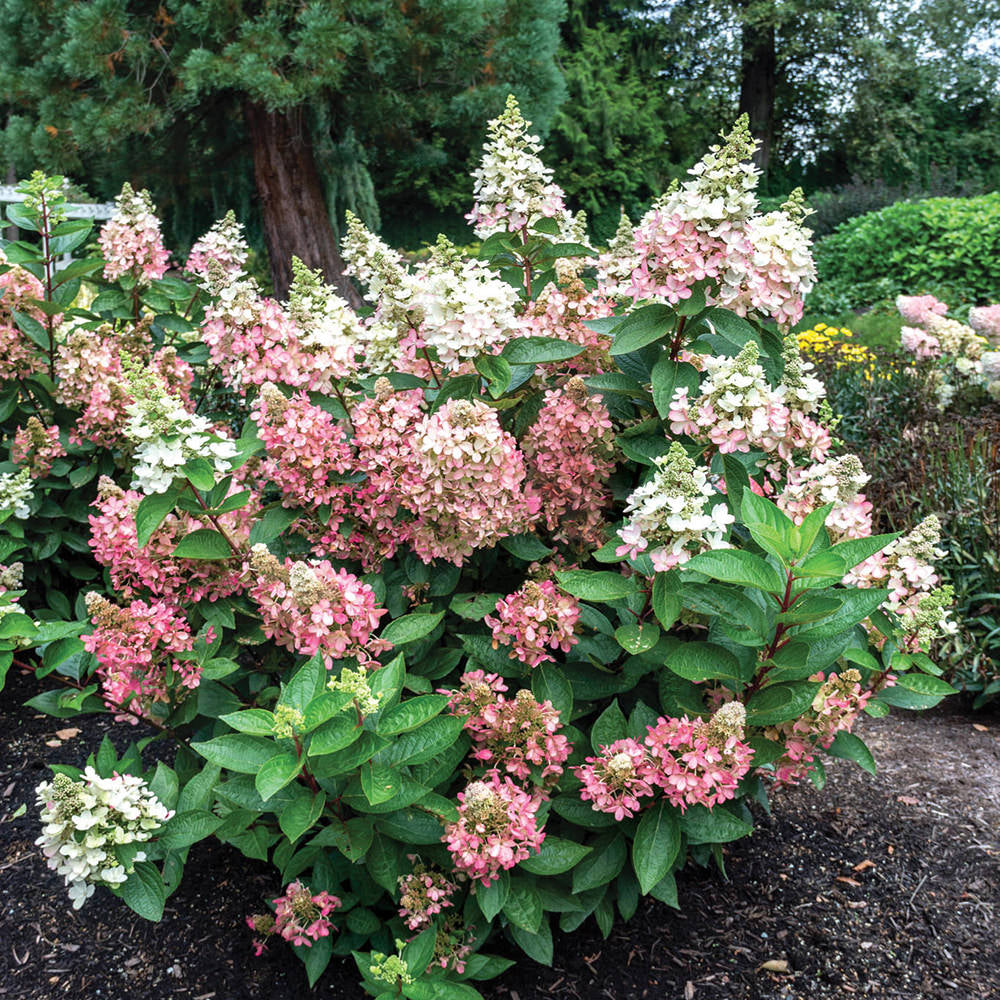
294 210
757 87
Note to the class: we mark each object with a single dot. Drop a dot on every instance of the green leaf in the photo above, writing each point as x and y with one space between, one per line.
713 826
637 639
255 721
666 891
272 524
555 857
144 892
656 846
610 725
410 628
778 703
297 818
236 752
410 714
669 376
491 898
187 828
596 585
925 684
549 683
31 328
523 907
642 327
602 865
425 742
200 472
537 946
352 838
850 747
418 952
666 598
739 567
857 550
336 734
203 543
277 772
826 564
387 682
704 661
151 512
530 548
856 606
539 350
496 371
379 782
307 683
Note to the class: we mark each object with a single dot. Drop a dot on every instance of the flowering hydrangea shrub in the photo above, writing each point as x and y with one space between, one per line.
966 356
482 610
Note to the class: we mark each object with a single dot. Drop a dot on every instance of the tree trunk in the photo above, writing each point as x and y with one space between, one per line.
292 203
757 87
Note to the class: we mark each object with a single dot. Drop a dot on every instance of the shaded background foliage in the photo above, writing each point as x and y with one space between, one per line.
863 102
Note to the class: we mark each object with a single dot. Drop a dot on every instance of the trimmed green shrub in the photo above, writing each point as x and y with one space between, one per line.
949 247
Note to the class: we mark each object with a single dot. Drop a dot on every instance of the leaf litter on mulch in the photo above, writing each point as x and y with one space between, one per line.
881 887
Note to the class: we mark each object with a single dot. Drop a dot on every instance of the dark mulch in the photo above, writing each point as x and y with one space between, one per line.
882 887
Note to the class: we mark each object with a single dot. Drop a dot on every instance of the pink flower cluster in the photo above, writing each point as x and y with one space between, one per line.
19 357
300 917
469 490
569 454
836 707
919 343
153 567
131 242
617 778
534 620
313 608
423 893
838 481
736 410
700 762
985 320
919 308
90 378
138 650
562 311
496 828
253 340
518 734
306 447
36 447
674 254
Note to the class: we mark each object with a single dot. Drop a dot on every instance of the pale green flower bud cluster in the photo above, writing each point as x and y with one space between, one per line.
355 683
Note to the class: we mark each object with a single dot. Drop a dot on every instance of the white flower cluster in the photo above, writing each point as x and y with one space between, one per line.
615 266
15 492
166 436
467 310
723 187
737 386
224 244
86 822
513 188
837 481
667 515
955 337
328 325
10 580
799 389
